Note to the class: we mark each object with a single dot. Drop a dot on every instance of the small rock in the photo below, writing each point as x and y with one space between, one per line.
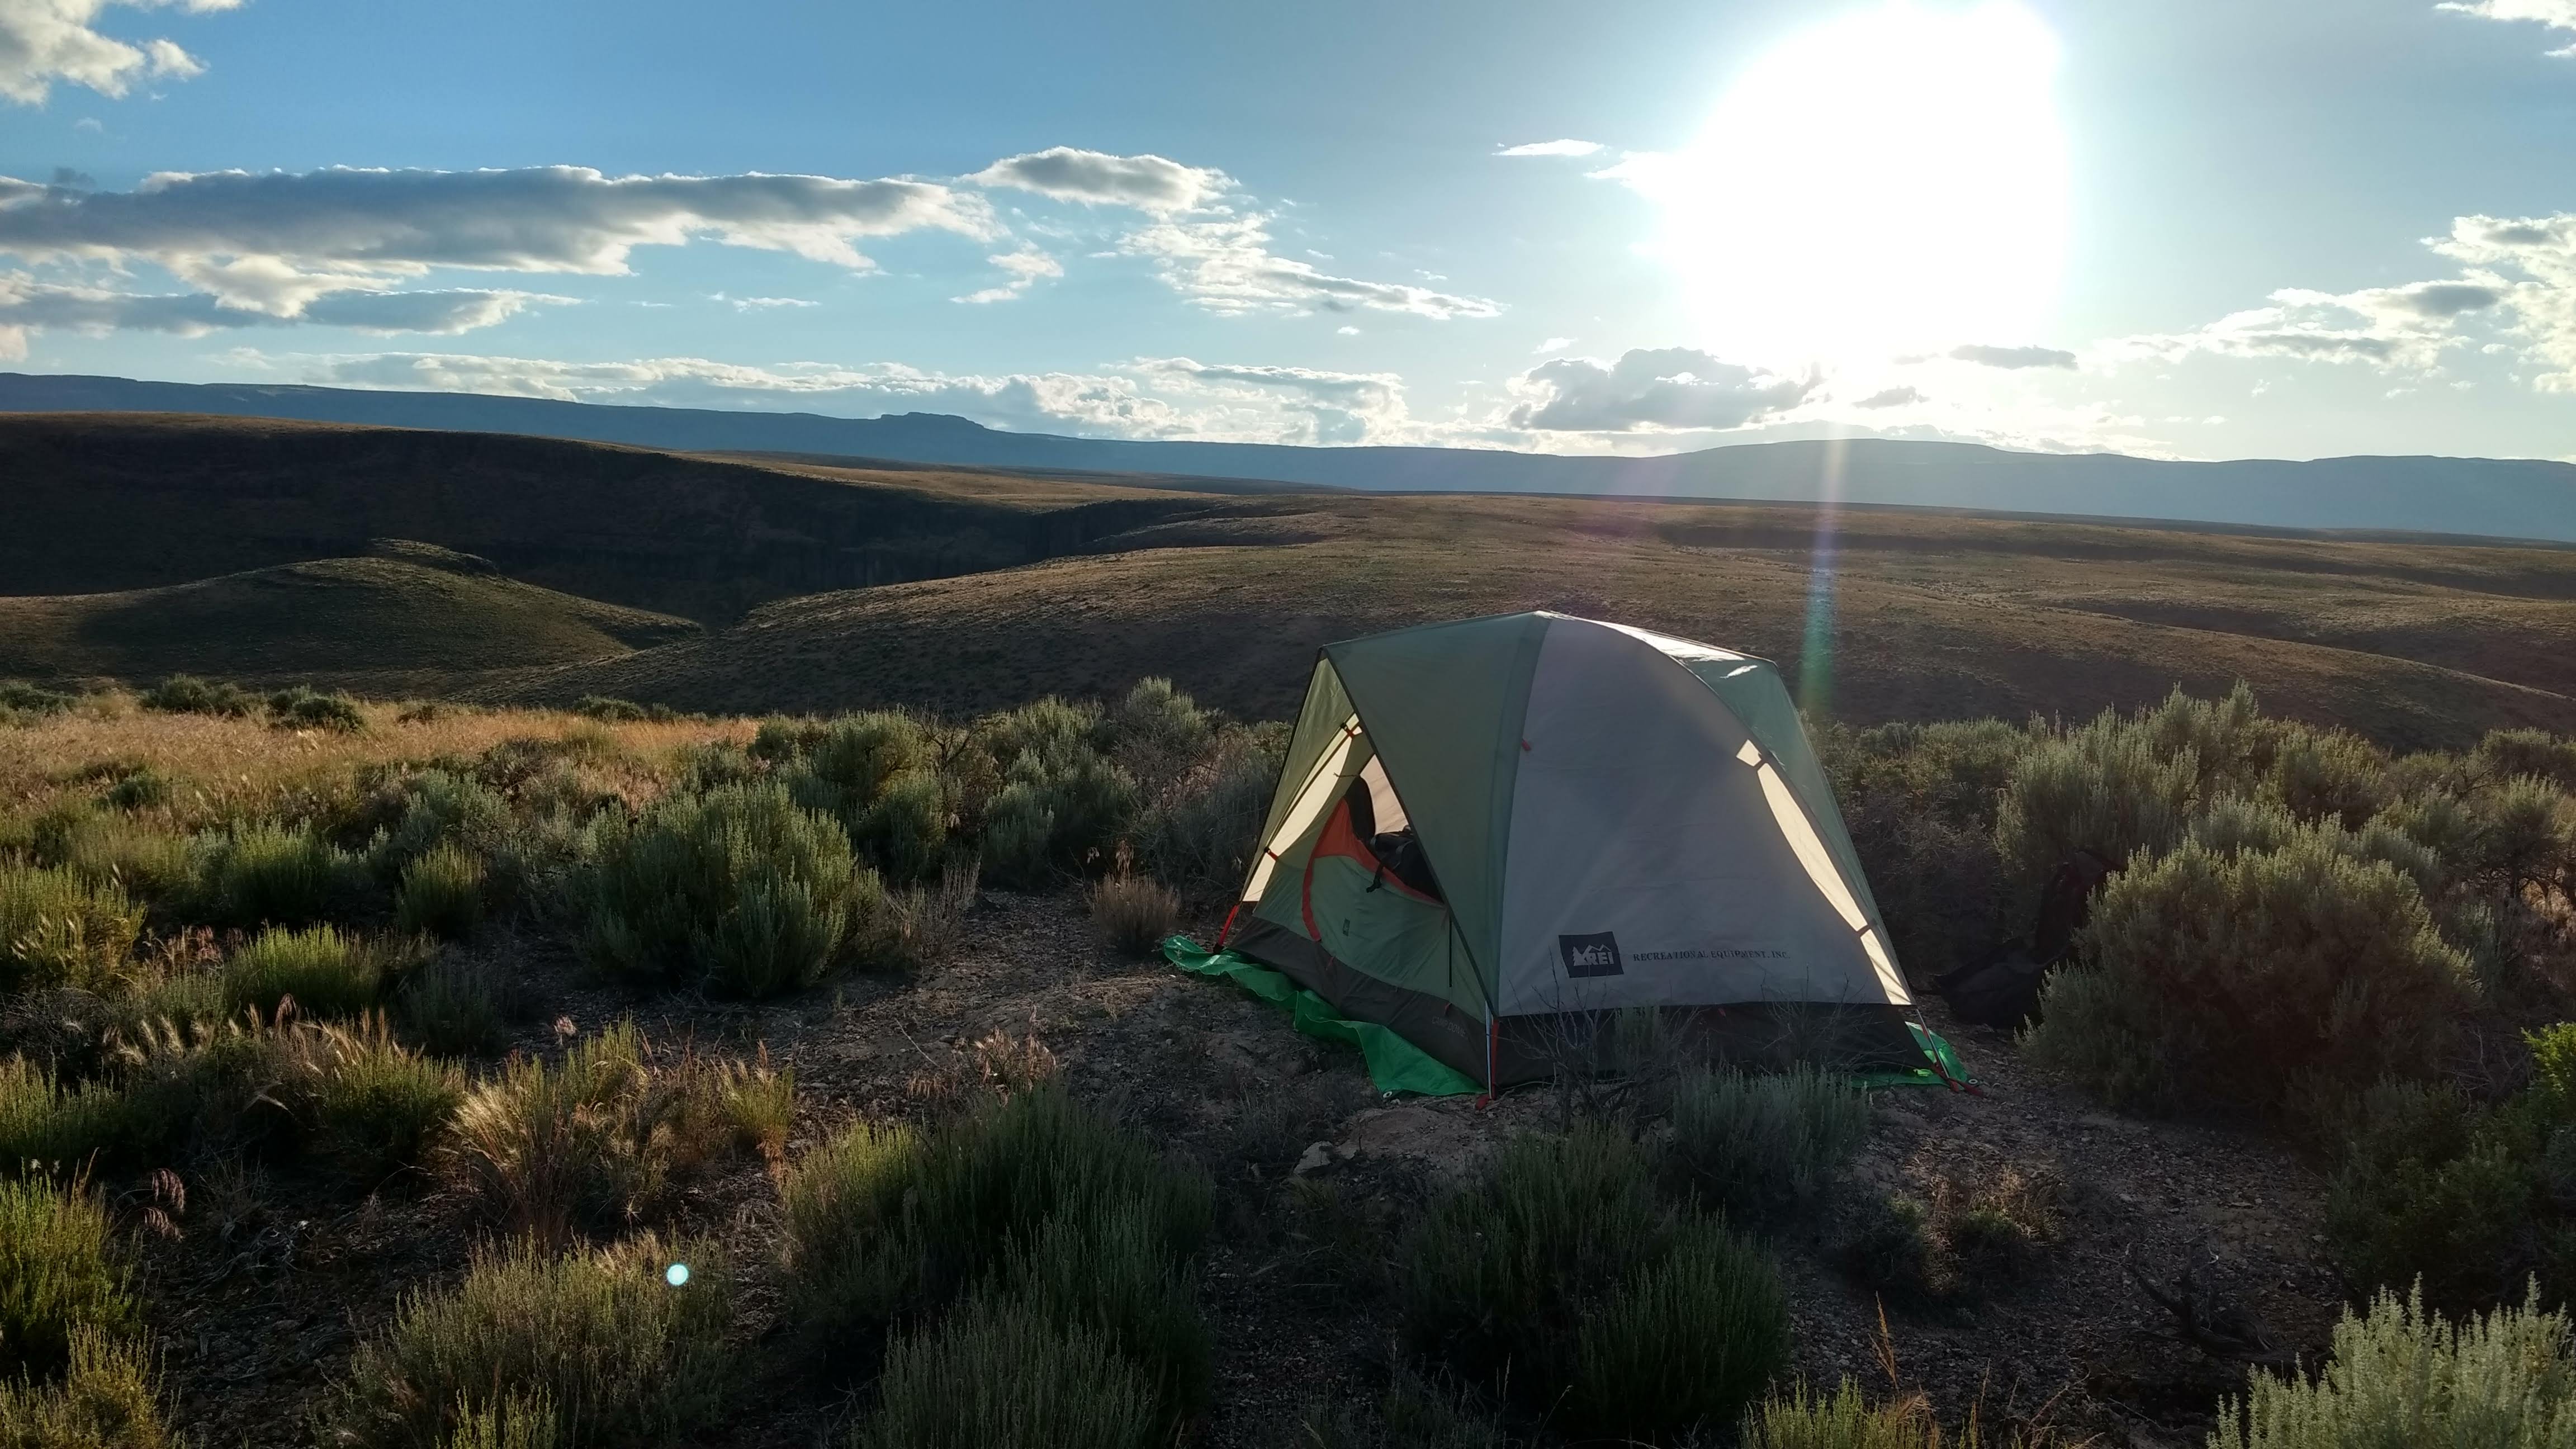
1318 1157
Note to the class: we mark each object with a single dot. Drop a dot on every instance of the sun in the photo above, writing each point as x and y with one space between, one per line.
1893 181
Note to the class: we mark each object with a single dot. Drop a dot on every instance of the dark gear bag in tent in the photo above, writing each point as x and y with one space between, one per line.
2001 988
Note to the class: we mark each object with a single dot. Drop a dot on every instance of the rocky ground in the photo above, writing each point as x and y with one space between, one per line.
263 1283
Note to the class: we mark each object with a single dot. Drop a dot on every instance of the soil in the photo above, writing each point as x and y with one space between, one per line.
261 1286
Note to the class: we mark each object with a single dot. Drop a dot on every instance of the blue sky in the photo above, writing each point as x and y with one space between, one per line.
2189 229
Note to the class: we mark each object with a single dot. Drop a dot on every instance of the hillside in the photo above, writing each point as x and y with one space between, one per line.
2508 498
1935 617
104 503
345 621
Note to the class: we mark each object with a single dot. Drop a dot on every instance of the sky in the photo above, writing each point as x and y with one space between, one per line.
2197 228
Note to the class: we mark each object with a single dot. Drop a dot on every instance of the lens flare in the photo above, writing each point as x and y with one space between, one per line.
677 1275
1816 652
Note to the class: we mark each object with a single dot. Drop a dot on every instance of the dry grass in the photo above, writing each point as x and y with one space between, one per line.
1135 912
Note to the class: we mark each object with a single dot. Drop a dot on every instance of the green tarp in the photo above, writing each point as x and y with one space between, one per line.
1397 1065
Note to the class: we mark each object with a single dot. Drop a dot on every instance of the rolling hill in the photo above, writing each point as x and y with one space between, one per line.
2504 498
829 587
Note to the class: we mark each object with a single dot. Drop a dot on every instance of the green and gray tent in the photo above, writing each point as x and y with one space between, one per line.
1489 834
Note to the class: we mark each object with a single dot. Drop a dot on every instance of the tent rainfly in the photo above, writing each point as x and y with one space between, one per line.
1488 834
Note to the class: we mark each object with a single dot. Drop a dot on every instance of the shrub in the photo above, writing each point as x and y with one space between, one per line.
1109 1272
2243 979
187 694
151 864
441 894
1498 1274
303 708
1892 1248
1686 1343
1920 801
1001 1374
1019 835
622 1357
1413 1413
511 1421
58 1275
1158 723
139 789
106 1400
42 1122
57 929
2511 754
20 700
2400 1375
850 1242
1963 1241
738 888
609 709
2103 788
1202 827
1135 912
326 973
435 808
376 1106
458 1005
905 831
926 924
859 755
1848 1420
266 874
1761 1146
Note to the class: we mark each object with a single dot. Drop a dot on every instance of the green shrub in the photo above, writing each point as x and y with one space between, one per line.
2402 1376
1051 731
377 1107
326 973
1685 1343
1498 1274
1159 723
138 789
1108 1271
58 1274
1019 835
187 694
1759 1147
1002 1374
42 1122
859 755
905 830
441 894
511 1421
1135 912
1964 1241
1891 1247
106 1400
2247 979
2103 788
20 700
739 889
435 808
265 874
57 929
1920 801
851 1242
1848 1420
1200 829
304 708
2511 754
149 863
611 710
458 1005
622 1357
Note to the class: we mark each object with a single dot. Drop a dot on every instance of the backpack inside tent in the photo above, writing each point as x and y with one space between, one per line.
1493 836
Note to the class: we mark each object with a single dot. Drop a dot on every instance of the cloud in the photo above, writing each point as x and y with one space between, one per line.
29 306
44 41
2530 263
1345 407
1553 344
275 241
763 304
1027 267
2555 14
1894 397
1095 178
2012 357
1654 388
1224 263
1552 148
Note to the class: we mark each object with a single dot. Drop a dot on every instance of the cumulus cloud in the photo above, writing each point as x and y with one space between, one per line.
2405 328
1148 183
2555 14
29 306
2012 357
1893 397
1026 268
274 242
1551 148
1224 263
1653 388
1344 407
2530 264
45 41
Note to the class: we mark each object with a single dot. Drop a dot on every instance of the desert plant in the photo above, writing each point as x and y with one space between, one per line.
739 888
138 789
2246 979
305 708
435 808
378 1107
441 894
513 1420
609 709
58 929
1920 800
850 1242
266 874
458 1004
187 694
904 830
1846 1419
1107 1270
1200 828
1958 1240
1158 723
1002 1374
2401 1375
2512 754
1415 1412
925 925
1760 1146
106 1399
44 1122
327 973
1135 912
1685 1343
59 1273
21 701
555 1150
150 863
621 1355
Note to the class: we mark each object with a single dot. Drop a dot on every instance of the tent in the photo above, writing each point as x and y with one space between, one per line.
1495 835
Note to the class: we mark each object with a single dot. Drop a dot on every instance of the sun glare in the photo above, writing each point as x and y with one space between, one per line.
1888 182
